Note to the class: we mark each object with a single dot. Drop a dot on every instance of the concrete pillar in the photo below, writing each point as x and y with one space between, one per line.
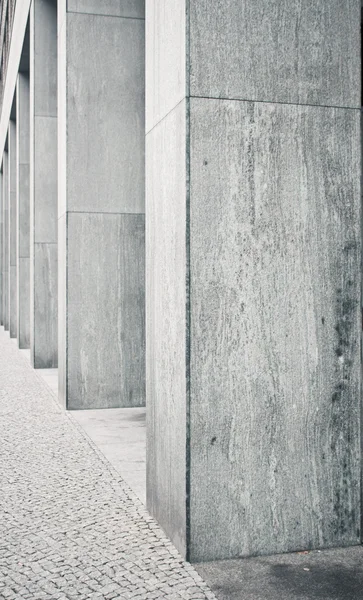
101 204
1 247
12 231
43 184
5 298
23 209
253 274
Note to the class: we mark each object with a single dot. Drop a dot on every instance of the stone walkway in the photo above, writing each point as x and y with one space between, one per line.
70 527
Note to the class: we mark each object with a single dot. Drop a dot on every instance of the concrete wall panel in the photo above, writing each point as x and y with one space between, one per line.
45 180
105 76
106 328
6 240
13 308
166 323
286 51
165 58
45 300
275 310
117 8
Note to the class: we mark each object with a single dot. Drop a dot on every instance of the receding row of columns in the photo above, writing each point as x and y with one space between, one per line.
252 252
72 202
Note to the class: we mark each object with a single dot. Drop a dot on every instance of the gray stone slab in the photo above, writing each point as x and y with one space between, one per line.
166 324
320 575
275 328
105 310
45 343
13 302
6 241
12 229
43 56
23 212
165 58
117 8
286 51
106 105
62 310
23 116
45 179
23 327
1 248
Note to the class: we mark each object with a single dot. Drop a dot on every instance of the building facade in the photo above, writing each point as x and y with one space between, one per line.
180 226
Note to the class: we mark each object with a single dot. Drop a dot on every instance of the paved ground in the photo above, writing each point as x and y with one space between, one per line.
327 575
120 434
70 527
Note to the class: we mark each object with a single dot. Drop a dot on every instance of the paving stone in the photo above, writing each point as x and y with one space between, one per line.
70 527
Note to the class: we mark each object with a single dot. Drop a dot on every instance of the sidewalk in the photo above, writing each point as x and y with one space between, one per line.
70 527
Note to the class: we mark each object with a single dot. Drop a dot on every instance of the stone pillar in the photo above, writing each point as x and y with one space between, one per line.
1 248
5 295
253 274
12 231
43 184
23 199
101 204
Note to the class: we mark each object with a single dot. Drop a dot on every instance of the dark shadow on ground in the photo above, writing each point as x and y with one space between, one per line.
327 575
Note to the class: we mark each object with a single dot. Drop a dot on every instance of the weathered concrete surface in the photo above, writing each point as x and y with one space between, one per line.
5 190
275 320
106 304
1 248
101 205
12 231
43 184
117 8
286 51
166 324
319 575
257 206
23 210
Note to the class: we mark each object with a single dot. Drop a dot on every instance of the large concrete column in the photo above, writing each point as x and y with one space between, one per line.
23 209
1 247
253 274
12 231
5 297
43 184
101 204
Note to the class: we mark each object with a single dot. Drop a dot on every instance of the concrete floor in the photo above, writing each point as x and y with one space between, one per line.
326 575
119 433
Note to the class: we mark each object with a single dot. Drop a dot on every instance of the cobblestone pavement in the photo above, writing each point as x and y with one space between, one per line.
70 528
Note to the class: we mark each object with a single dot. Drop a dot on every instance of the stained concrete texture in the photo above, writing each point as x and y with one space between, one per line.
23 210
43 184
5 195
275 328
166 324
120 434
101 204
105 311
13 295
286 51
253 251
335 574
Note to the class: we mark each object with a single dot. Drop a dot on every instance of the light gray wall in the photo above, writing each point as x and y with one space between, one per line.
101 204
1 248
23 209
43 184
12 231
253 274
5 298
